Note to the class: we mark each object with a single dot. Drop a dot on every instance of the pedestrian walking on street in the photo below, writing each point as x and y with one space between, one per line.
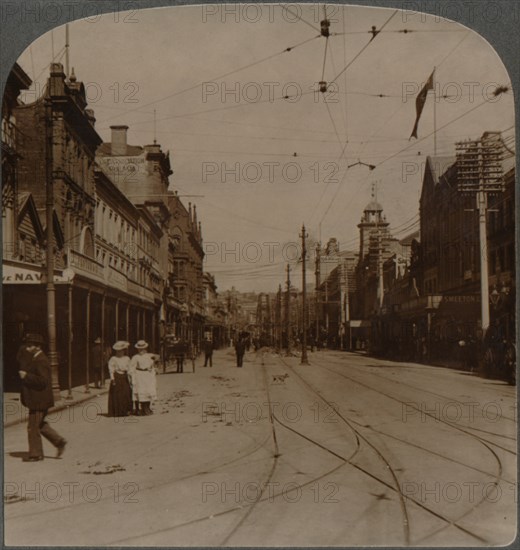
37 396
120 393
240 349
97 360
180 351
142 372
208 352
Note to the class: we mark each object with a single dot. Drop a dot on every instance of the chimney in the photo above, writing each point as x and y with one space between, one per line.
118 140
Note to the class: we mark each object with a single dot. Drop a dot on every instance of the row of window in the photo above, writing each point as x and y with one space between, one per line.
114 229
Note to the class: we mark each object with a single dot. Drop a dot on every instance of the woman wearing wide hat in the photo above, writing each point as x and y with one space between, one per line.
142 369
120 393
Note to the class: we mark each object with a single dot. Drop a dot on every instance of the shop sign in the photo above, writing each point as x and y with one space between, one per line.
16 275
467 299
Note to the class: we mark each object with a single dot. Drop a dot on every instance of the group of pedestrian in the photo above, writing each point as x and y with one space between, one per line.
133 384
132 390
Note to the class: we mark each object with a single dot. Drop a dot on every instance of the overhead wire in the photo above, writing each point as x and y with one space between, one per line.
398 31
340 102
484 102
220 77
333 81
449 53
286 8
364 48
226 107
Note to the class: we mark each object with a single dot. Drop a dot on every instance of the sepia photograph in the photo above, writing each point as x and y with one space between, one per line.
258 276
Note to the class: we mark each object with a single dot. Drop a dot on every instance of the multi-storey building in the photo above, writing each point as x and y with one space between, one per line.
501 250
215 313
16 82
114 244
376 245
141 173
57 156
127 245
436 301
186 315
336 294
22 231
450 253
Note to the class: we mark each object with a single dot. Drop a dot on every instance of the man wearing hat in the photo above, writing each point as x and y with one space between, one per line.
37 396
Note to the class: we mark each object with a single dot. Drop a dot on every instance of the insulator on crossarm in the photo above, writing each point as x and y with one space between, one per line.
325 24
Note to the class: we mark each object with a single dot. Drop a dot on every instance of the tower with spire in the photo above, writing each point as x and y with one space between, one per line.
373 222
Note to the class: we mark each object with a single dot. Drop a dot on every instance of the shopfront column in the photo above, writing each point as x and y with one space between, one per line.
87 335
117 319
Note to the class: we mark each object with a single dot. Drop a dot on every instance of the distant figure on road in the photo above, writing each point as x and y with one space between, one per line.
97 361
240 349
142 374
208 352
37 396
120 393
180 352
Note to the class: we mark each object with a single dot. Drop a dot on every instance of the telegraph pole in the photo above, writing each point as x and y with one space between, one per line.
342 305
347 308
317 291
480 172
279 318
49 252
304 360
484 275
288 309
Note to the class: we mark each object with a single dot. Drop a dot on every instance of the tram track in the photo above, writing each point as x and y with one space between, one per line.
272 440
251 506
454 425
448 398
407 498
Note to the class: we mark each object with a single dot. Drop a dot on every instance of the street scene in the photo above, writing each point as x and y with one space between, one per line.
278 454
259 280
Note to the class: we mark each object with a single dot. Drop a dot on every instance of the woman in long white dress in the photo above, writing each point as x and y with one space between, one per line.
120 393
142 373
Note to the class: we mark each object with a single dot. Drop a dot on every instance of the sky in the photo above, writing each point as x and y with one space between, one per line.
253 142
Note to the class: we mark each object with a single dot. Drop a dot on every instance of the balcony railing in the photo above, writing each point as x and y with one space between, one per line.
81 263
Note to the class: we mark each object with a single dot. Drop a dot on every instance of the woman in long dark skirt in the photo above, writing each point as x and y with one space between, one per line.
120 393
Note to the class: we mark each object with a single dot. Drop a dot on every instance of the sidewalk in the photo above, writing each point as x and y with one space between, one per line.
15 412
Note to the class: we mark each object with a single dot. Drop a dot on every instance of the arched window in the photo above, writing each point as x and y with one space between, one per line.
86 244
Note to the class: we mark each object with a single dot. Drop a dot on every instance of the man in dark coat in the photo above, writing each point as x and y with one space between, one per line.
208 352
240 348
37 396
97 362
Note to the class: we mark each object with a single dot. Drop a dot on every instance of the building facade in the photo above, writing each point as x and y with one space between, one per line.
118 233
57 156
431 281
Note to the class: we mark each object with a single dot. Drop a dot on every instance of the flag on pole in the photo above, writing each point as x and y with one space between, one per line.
419 103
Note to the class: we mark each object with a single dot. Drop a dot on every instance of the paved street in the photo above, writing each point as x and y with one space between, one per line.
347 451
